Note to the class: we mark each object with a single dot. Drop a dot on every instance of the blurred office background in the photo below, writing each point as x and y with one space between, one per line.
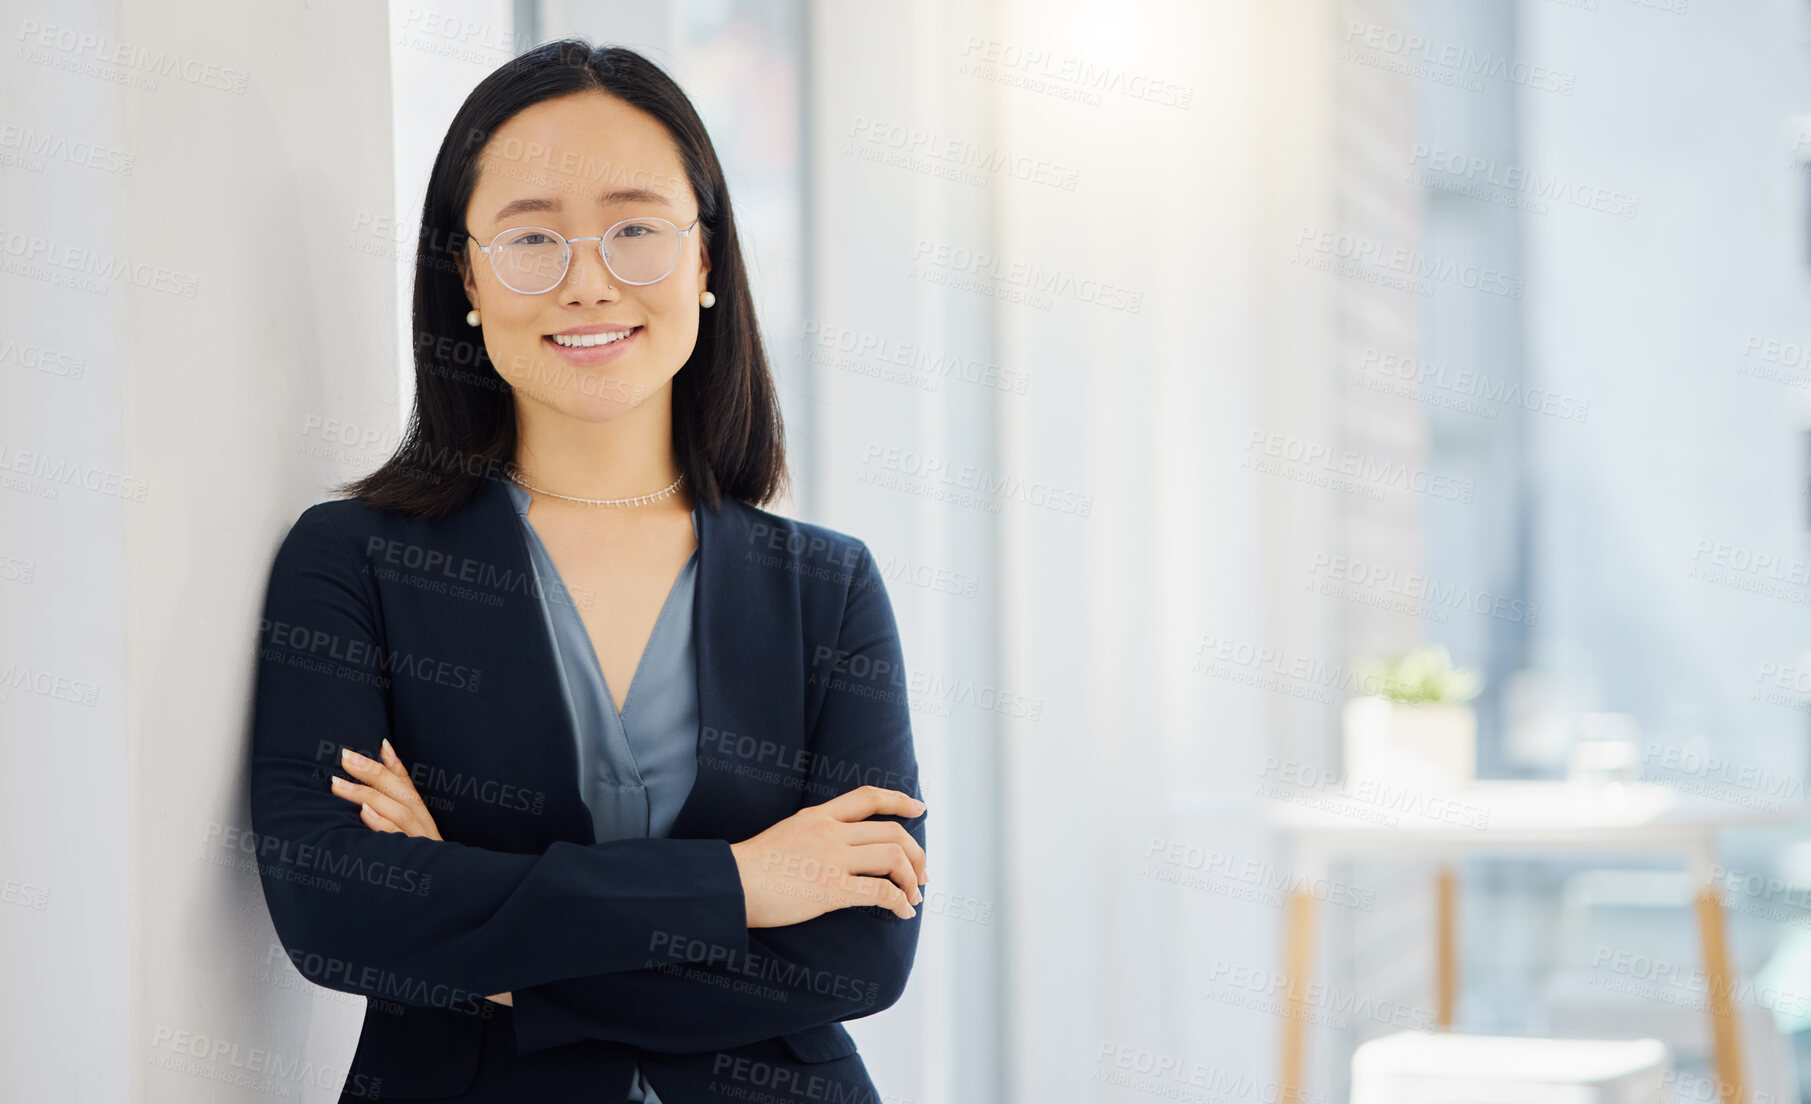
1171 356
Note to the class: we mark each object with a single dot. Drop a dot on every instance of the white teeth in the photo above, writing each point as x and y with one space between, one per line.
586 341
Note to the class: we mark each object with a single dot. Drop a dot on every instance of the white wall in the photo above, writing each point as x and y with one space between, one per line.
66 865
153 946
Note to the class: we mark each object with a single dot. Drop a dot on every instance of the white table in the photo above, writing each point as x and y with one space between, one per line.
1512 816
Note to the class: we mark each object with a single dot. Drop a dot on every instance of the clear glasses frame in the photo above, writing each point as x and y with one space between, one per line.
566 251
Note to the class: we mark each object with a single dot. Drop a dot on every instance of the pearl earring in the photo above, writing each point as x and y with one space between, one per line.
471 317
706 299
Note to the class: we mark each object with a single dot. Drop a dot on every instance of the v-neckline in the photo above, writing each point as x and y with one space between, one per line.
641 661
522 502
743 680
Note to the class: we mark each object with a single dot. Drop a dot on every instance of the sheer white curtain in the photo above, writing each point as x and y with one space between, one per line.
1105 205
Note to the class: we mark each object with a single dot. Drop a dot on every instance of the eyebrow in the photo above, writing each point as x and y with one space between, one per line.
540 203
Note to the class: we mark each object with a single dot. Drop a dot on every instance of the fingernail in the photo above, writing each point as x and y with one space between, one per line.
354 758
388 750
340 783
910 912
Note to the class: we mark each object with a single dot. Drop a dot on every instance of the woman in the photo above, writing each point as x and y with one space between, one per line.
596 778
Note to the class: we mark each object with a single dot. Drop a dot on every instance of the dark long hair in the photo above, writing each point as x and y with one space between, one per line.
727 430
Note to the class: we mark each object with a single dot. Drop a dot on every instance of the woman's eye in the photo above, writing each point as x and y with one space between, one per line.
634 231
534 239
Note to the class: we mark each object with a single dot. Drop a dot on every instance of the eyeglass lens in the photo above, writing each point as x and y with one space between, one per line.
532 260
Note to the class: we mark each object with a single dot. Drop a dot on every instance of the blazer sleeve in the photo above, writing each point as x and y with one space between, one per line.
840 965
411 919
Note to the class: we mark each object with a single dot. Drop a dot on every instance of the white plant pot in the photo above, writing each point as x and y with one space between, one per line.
1430 744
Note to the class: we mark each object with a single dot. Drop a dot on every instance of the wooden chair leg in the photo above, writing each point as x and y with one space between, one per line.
1725 1028
1446 967
1298 961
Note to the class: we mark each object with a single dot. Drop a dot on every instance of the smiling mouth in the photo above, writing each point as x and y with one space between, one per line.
589 341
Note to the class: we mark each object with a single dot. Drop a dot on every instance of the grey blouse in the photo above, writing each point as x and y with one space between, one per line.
636 768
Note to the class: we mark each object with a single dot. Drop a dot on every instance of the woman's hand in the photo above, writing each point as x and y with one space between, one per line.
388 798
389 802
818 859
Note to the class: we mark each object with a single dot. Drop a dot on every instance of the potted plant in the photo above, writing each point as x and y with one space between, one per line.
1412 724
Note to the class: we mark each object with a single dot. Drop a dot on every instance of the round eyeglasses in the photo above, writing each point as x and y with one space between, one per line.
533 260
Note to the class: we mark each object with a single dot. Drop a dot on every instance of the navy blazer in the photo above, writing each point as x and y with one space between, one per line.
430 633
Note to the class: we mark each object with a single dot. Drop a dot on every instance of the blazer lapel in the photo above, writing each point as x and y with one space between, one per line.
522 649
701 815
750 682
